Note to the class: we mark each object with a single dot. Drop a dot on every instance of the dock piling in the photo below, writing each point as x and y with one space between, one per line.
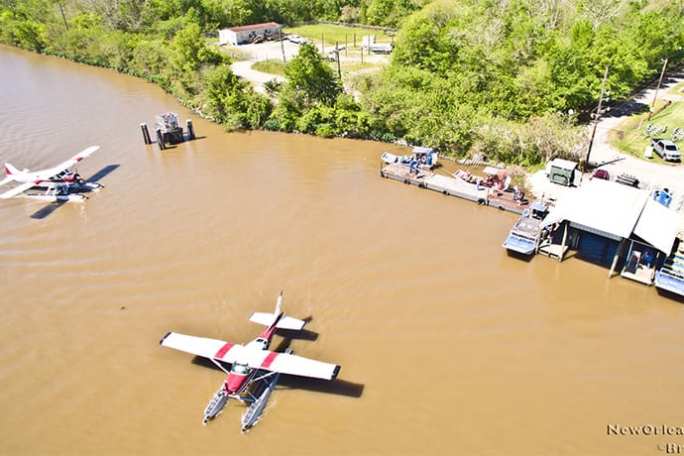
191 129
565 238
160 139
145 133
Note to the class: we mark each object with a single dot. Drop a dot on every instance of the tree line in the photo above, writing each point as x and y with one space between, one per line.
503 77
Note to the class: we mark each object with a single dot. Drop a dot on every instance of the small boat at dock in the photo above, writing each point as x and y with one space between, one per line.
670 277
420 157
526 233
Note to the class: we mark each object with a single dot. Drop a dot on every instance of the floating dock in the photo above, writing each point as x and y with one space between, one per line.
453 186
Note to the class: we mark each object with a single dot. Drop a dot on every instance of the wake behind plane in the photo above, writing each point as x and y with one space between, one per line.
253 366
57 184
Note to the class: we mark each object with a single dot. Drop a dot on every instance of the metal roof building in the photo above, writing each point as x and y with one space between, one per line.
603 218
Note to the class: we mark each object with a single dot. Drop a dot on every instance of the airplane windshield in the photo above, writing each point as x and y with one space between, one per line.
240 369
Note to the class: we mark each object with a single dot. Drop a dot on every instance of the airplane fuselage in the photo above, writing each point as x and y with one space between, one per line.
240 375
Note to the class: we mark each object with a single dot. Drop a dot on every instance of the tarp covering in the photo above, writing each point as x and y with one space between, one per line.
602 207
422 150
658 226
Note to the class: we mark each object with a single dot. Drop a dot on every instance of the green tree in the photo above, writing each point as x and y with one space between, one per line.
389 12
189 50
310 79
233 102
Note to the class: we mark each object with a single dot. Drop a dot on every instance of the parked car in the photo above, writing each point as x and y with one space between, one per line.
296 39
601 174
666 149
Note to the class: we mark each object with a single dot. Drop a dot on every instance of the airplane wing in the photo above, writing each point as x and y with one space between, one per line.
293 365
256 359
17 190
6 180
71 162
202 346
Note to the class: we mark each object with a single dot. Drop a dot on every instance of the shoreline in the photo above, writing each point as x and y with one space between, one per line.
530 176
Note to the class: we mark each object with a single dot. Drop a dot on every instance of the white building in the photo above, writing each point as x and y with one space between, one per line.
248 33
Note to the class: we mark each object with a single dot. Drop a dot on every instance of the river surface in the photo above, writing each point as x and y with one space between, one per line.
447 345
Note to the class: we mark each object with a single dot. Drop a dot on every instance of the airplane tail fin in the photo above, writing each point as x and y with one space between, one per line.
10 173
279 304
285 322
11 170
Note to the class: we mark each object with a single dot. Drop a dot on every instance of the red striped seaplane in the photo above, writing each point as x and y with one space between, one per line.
252 366
58 184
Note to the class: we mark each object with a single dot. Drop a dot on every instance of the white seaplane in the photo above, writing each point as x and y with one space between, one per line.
58 184
252 364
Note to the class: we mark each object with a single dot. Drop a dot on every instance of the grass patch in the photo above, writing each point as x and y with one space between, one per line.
271 66
337 33
352 67
677 90
630 136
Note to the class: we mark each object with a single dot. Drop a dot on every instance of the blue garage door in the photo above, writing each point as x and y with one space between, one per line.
597 249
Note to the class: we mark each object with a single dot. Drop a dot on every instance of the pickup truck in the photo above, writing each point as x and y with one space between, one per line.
667 150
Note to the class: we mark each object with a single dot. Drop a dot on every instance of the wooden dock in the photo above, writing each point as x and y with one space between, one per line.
453 186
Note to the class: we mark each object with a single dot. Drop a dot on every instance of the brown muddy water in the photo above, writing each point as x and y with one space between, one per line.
447 345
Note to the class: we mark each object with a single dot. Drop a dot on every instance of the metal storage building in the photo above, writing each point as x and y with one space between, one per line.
607 223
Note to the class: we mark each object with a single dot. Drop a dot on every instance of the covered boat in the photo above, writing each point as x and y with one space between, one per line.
670 277
420 157
525 235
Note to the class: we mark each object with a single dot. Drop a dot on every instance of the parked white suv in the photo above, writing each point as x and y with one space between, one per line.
667 150
296 39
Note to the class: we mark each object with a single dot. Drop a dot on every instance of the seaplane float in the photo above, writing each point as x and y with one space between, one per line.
254 369
57 184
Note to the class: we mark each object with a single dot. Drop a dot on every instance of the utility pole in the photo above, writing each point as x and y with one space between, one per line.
337 54
282 45
596 119
655 96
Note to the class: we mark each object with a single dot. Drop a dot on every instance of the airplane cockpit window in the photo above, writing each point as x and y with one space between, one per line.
238 368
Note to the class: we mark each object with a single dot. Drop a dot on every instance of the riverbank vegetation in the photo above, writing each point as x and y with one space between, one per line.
506 78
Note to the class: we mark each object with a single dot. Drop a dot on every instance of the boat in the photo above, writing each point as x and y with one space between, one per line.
421 157
525 235
670 277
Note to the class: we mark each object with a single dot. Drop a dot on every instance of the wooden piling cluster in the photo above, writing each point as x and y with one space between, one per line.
189 135
145 133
